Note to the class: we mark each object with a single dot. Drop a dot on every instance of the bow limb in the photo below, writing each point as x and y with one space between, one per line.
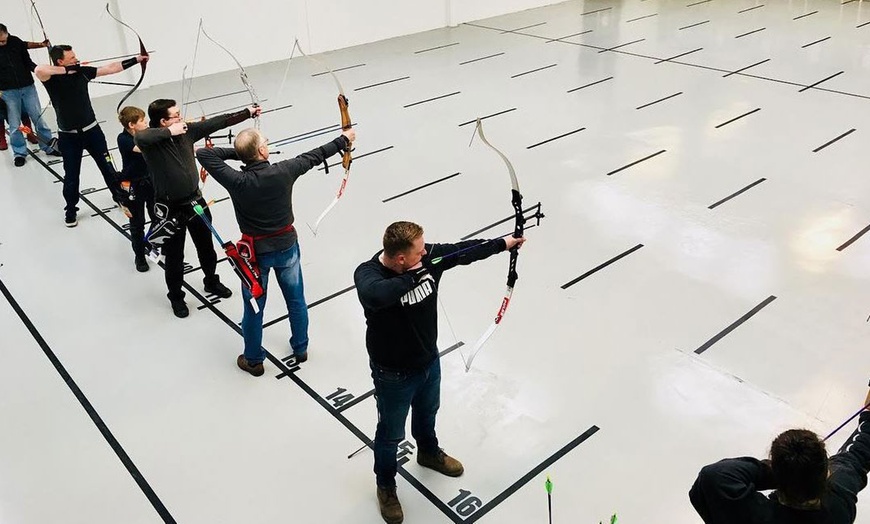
326 66
514 182
519 225
185 99
143 51
331 204
41 25
243 75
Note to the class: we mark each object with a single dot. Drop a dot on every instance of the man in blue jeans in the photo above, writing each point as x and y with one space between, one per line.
262 195
398 290
19 94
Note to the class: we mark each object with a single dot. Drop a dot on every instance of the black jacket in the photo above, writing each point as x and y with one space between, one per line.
170 158
401 310
262 193
727 492
16 66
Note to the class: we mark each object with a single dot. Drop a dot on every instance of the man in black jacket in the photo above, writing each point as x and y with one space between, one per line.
398 289
19 94
167 146
809 487
66 81
262 195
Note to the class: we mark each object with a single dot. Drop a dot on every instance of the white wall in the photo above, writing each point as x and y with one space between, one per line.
255 31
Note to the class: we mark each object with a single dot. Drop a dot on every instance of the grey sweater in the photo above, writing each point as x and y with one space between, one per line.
170 158
262 193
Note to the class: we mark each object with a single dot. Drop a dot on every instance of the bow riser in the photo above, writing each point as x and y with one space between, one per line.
343 103
346 157
346 124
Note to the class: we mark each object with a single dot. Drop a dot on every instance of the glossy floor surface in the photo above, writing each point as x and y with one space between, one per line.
698 285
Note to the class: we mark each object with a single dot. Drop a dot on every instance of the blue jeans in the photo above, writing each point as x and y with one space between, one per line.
289 274
396 392
25 99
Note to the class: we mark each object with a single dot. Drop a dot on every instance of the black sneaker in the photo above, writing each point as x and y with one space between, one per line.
53 152
217 289
254 369
141 264
179 307
19 161
300 357
70 221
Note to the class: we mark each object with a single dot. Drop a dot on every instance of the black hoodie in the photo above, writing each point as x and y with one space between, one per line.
401 309
727 492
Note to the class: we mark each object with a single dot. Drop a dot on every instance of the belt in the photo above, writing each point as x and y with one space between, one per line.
81 130
176 202
286 229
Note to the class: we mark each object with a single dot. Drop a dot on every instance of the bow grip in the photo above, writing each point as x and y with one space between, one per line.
345 116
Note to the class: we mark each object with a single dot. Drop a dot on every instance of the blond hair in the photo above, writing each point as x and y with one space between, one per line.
400 236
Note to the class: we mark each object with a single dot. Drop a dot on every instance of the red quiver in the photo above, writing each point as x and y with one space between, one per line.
246 269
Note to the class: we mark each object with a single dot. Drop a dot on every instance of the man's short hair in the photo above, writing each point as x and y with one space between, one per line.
130 115
247 143
800 466
3 29
56 52
400 236
158 110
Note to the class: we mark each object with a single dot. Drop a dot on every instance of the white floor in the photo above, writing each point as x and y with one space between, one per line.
618 386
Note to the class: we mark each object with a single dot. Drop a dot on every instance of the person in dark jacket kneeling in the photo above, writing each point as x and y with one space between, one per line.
808 486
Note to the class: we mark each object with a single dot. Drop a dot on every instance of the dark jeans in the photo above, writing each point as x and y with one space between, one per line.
143 198
173 249
71 146
396 392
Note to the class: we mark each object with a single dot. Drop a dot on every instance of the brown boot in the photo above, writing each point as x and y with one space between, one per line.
391 509
254 369
440 462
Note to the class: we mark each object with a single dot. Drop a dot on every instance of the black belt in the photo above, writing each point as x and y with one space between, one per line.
82 129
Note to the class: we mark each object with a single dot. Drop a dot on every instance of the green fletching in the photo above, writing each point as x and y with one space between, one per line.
549 486
613 519
436 260
198 209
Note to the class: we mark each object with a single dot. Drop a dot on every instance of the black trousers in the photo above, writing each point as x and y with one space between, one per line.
173 249
71 146
142 193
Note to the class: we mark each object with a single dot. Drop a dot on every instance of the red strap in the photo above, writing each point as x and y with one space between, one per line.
285 229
